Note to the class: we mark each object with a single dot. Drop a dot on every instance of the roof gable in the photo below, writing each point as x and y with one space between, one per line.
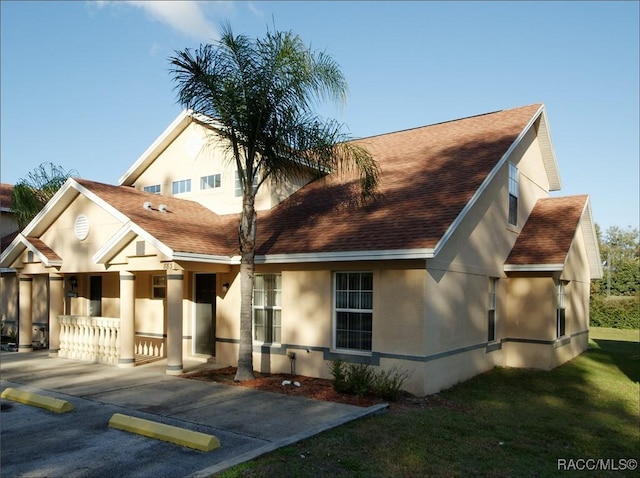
549 232
430 177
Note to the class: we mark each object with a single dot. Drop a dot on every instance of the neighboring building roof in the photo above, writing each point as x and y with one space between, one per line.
6 197
547 236
429 177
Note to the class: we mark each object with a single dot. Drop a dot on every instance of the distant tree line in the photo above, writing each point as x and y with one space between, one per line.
615 299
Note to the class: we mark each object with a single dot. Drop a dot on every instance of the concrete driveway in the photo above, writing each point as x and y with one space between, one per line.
37 442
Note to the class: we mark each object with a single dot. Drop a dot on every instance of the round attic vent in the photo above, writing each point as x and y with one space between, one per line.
81 227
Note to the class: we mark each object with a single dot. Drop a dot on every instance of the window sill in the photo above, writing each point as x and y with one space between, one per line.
493 346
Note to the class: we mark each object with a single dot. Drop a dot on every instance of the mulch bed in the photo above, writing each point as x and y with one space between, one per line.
316 389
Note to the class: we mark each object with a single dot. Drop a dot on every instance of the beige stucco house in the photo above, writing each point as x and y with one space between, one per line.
464 262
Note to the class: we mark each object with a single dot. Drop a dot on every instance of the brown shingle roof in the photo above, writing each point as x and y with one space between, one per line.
549 231
6 194
428 175
186 226
45 250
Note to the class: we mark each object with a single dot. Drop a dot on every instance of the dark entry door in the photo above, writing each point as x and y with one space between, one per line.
95 296
205 314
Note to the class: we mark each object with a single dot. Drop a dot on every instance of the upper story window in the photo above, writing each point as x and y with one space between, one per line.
353 324
267 307
179 187
210 182
238 184
155 189
514 194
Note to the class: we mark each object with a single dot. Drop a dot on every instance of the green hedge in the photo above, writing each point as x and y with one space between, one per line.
615 312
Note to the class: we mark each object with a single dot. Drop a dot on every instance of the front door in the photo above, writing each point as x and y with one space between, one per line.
205 314
95 296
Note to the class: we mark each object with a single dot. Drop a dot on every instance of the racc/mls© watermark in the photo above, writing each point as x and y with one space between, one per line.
597 464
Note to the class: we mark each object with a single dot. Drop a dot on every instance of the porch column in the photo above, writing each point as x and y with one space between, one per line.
56 309
175 281
127 319
25 328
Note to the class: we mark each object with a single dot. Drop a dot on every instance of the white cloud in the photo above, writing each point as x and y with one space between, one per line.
185 16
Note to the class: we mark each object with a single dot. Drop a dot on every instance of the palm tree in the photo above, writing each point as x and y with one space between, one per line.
260 94
30 194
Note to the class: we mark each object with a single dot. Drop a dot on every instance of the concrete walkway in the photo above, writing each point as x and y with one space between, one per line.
248 423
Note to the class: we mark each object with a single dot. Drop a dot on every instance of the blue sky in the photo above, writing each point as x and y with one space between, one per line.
86 85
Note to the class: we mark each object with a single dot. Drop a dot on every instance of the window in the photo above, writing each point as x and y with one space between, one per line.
560 311
155 189
238 184
267 310
514 193
210 182
159 287
491 330
178 187
354 310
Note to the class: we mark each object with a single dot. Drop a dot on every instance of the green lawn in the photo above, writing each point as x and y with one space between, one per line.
504 423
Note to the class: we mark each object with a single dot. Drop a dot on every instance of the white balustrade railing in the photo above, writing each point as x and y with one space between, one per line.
94 339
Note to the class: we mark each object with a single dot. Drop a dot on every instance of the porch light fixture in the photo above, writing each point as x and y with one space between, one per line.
225 287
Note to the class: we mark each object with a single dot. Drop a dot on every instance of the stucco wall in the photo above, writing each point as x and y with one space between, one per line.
210 159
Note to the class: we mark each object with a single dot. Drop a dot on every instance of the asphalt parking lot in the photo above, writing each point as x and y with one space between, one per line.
36 442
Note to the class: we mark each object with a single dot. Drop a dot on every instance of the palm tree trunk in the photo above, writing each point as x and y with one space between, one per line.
247 236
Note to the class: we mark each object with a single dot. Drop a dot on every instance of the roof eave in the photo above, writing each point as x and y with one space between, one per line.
311 257
533 267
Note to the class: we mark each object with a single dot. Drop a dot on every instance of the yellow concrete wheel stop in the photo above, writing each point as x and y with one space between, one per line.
161 431
34 399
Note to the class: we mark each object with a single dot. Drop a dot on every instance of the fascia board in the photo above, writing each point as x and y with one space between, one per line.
13 250
45 260
591 241
61 199
310 257
207 258
533 267
124 235
177 126
548 153
485 184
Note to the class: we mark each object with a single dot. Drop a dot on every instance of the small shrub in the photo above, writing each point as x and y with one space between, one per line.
388 384
338 371
359 379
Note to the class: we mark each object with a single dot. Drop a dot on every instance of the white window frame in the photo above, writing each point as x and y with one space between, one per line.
159 289
268 301
237 188
492 332
213 181
349 309
181 187
561 309
514 194
153 189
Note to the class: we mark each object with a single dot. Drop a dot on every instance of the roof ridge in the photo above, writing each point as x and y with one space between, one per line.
445 122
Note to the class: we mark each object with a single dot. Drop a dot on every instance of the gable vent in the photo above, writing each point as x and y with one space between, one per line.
81 227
